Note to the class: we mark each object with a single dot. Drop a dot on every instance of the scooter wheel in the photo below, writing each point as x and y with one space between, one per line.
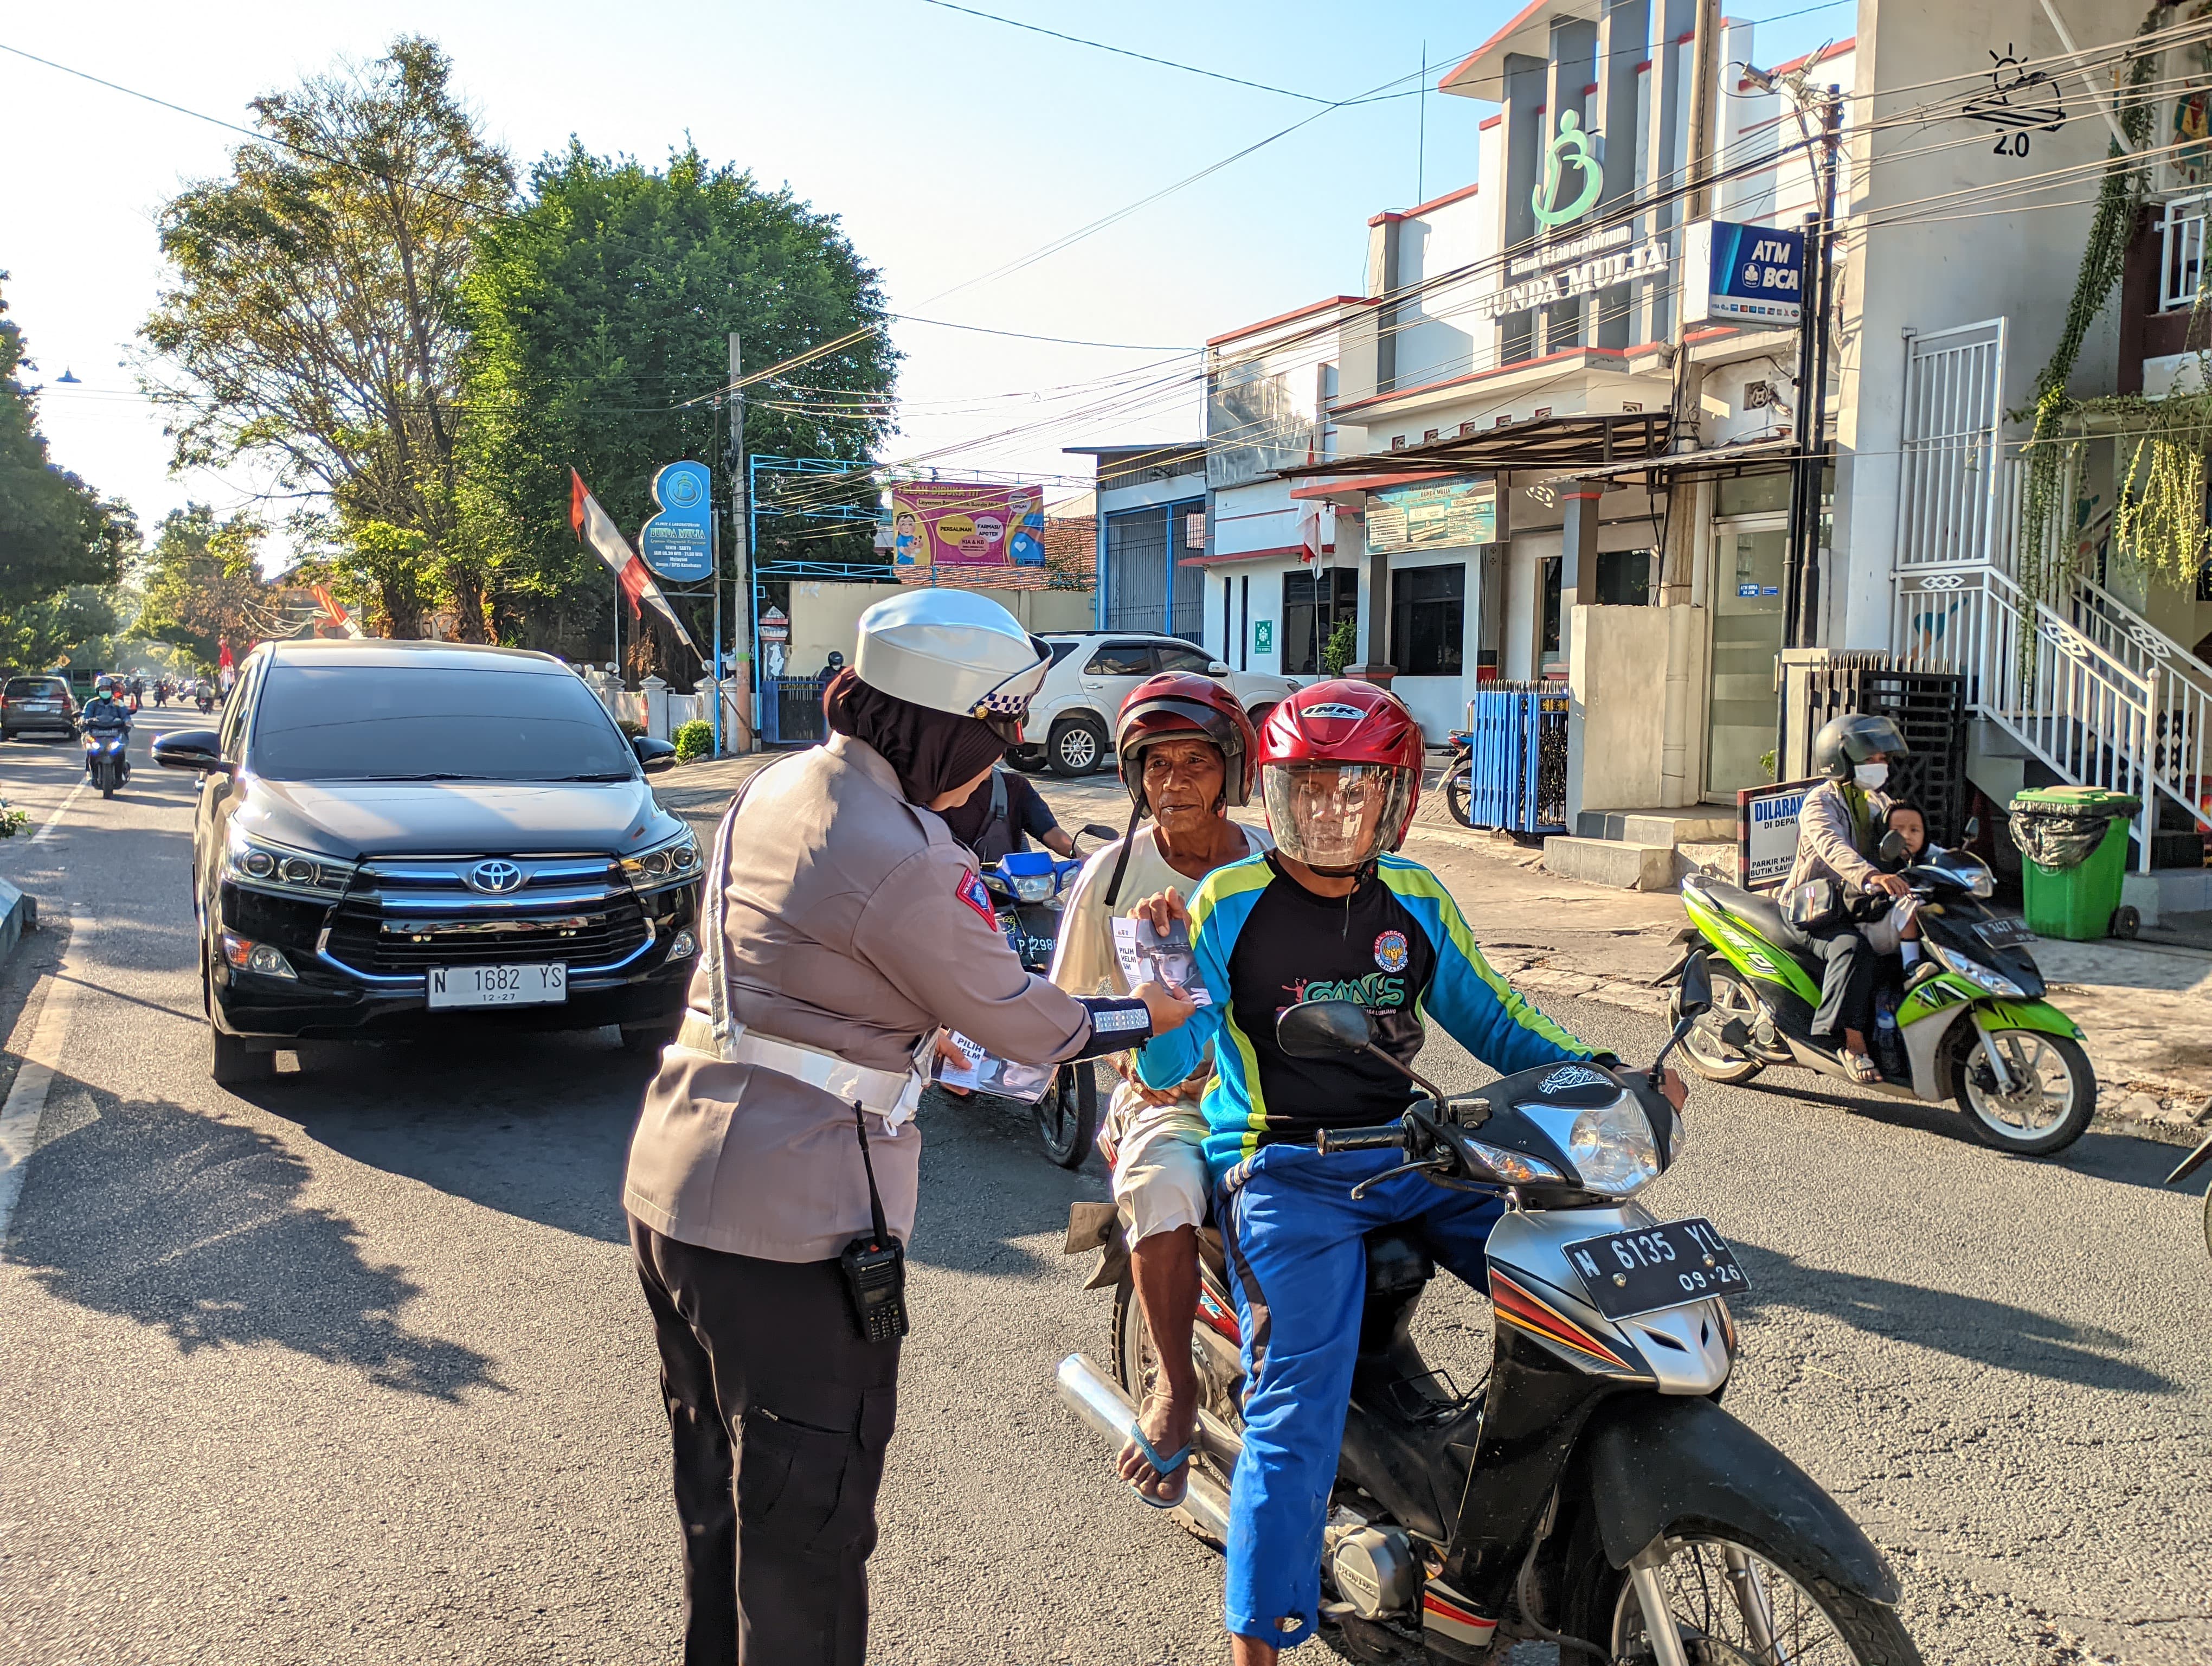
2046 1111
1711 1057
1067 1115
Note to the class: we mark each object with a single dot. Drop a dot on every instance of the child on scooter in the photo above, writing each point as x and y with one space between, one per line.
1895 930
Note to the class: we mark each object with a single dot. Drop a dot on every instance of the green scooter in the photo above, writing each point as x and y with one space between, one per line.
1975 1029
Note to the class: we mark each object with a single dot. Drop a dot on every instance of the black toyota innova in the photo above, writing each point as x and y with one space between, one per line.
399 838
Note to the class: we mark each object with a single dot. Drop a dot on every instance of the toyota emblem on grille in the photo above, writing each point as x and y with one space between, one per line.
495 877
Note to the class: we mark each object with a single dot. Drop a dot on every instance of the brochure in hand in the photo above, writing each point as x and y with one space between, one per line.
985 1072
1150 957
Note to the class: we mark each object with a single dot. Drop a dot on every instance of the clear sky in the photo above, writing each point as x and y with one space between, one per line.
948 145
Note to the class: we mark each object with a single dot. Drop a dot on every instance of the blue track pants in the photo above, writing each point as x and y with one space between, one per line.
1298 1269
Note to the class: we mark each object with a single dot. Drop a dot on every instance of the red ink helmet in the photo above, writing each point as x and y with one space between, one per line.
1339 773
1179 705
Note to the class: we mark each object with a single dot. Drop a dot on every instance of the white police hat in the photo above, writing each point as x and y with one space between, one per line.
951 651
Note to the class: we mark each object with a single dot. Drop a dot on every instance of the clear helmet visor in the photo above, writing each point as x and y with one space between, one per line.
1335 816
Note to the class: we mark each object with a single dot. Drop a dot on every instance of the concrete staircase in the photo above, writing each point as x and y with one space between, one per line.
1644 849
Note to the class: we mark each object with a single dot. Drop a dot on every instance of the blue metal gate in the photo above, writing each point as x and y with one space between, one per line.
1517 757
791 711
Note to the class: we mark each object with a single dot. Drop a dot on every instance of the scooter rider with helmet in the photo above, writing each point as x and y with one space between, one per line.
1331 913
1188 755
1839 828
772 1177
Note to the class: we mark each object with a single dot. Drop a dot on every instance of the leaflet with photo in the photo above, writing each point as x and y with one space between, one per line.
1148 956
985 1072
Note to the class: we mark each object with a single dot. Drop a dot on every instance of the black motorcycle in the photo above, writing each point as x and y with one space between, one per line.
1025 887
1592 1493
107 757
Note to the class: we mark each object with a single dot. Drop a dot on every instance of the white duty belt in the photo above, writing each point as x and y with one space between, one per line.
716 1034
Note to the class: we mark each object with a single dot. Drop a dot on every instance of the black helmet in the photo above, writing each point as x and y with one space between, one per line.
1845 742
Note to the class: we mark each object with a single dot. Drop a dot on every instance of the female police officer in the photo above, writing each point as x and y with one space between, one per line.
772 1177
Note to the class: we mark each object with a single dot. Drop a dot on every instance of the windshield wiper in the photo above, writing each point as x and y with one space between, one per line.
434 774
601 775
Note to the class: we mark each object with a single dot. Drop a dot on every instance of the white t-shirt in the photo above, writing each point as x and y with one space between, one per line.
1083 961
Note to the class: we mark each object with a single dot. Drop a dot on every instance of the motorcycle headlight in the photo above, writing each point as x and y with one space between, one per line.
1974 972
1610 1146
672 862
266 866
1032 887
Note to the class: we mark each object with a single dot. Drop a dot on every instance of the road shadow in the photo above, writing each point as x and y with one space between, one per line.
535 1126
987 1185
1990 1333
194 1227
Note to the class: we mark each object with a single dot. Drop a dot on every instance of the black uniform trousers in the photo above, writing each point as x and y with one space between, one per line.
764 1358
1846 981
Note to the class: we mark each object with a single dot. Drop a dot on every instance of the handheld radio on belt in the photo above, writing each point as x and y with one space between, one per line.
875 1267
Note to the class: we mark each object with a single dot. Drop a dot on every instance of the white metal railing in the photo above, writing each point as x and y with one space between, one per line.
1949 481
2182 683
2069 702
2181 253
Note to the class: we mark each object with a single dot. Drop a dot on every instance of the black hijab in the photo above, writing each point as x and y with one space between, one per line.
931 752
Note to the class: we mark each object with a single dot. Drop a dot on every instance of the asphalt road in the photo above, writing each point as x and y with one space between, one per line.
355 1368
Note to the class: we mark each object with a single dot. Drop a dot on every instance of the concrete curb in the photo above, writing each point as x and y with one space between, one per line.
19 913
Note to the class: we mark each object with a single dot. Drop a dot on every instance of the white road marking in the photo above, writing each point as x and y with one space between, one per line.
26 1100
55 820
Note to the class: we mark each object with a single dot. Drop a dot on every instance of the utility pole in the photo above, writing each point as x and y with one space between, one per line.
1705 81
1832 131
1804 480
740 549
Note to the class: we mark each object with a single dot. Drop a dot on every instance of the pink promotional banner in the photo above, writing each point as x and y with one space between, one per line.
963 525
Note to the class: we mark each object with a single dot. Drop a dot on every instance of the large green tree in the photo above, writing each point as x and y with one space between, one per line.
601 313
59 539
312 316
201 585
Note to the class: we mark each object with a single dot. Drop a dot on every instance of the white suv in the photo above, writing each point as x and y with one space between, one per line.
1071 721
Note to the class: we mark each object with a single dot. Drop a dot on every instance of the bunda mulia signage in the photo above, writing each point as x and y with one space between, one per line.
1578 266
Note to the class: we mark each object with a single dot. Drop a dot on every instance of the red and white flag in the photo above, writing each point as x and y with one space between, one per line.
1309 533
597 528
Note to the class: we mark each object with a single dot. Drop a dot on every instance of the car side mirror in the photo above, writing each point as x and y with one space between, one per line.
652 756
1215 668
1697 998
1323 1029
1892 848
190 749
1096 831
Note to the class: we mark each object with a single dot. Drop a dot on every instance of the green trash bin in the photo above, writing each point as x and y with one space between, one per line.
2074 846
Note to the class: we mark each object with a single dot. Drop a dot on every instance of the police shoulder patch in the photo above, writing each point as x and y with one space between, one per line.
972 890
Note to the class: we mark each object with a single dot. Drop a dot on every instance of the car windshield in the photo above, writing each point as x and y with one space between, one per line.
32 688
399 723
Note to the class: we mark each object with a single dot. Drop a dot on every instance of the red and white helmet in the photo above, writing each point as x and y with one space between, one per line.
1339 773
1180 705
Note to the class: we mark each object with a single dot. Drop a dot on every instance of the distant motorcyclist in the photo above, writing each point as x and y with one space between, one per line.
106 709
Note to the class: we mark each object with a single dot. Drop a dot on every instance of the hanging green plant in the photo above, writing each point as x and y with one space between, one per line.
2158 523
2104 256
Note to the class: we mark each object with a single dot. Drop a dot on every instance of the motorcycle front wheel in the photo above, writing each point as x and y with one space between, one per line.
2053 1096
1738 1603
1067 1115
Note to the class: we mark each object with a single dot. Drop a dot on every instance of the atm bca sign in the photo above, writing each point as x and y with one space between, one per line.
1743 274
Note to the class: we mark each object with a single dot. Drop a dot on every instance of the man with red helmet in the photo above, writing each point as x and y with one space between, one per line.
1330 913
1187 755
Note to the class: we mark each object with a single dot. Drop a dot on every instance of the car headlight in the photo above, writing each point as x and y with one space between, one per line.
672 862
1610 1146
1032 887
1974 972
265 866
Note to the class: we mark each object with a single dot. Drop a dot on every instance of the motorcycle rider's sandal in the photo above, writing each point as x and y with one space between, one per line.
1162 1467
1859 1067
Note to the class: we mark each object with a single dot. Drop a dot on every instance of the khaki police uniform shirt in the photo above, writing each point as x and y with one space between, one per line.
848 926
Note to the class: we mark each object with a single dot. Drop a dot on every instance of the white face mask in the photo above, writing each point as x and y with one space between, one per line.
1871 776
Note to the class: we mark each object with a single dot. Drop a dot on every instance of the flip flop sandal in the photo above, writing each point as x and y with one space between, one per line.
1162 1467
1859 1068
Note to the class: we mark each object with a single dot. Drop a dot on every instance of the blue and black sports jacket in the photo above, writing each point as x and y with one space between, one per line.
1398 946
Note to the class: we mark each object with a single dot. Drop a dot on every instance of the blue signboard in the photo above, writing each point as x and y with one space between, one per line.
678 542
1743 274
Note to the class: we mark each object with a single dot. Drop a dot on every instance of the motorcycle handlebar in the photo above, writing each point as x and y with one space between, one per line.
1382 1139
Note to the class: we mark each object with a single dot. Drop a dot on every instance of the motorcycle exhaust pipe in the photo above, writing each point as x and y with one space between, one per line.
1099 1402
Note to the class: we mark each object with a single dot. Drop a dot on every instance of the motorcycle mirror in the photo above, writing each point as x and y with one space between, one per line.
1973 829
1094 831
1323 1029
1696 988
1892 848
